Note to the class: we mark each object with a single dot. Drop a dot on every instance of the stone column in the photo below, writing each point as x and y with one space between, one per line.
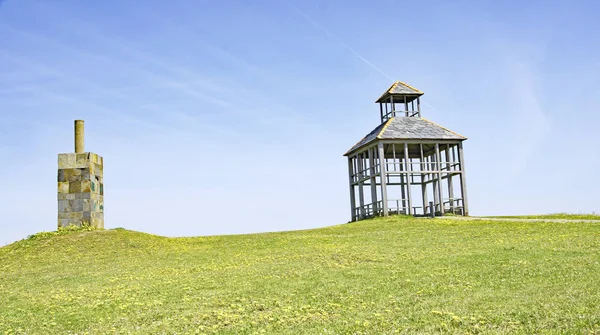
79 144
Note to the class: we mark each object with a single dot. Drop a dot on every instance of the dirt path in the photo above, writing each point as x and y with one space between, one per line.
516 219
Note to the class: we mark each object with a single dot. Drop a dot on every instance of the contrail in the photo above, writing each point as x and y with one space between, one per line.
339 41
354 52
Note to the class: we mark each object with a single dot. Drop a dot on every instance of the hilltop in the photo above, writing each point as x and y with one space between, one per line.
379 276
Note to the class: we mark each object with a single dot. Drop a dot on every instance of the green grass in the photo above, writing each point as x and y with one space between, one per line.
561 216
381 276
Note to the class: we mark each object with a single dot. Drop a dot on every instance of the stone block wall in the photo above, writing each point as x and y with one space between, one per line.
80 189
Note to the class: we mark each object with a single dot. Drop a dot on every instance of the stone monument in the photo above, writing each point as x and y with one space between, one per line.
80 185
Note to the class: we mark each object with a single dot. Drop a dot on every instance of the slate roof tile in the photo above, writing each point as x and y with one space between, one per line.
400 88
405 128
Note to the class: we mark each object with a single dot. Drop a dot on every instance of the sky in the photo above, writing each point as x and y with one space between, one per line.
230 117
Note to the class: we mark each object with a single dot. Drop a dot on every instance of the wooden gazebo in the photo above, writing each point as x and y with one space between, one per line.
406 161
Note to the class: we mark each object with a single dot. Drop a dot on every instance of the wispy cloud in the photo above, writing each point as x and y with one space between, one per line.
532 125
249 98
173 76
167 81
45 91
191 78
183 29
228 93
263 107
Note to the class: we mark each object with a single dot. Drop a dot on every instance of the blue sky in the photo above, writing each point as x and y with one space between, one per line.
223 117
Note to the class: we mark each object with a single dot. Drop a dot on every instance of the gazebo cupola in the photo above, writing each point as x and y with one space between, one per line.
400 100
405 161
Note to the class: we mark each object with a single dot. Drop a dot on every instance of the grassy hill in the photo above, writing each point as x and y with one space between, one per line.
381 276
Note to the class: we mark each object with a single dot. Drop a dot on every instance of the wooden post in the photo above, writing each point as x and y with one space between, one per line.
373 179
463 182
423 184
434 182
386 111
361 196
439 178
382 176
402 183
449 179
408 170
352 195
419 106
381 111
392 106
405 107
412 169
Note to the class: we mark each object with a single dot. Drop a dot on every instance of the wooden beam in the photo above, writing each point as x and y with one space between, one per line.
352 195
450 186
383 175
433 181
361 197
416 141
423 184
408 169
463 182
364 181
401 173
439 177
424 141
373 179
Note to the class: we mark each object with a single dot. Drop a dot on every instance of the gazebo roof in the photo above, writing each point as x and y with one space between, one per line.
407 128
400 89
